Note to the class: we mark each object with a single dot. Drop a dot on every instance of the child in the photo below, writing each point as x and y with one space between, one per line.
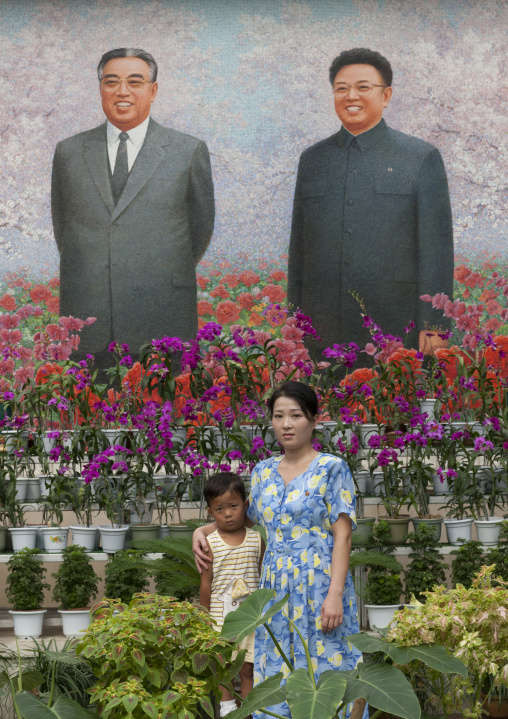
233 573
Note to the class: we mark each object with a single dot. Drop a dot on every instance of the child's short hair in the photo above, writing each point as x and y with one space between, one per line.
221 483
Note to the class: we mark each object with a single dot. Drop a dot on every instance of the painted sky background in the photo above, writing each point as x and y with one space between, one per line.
251 80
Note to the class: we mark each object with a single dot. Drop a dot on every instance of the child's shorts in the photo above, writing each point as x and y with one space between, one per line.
248 644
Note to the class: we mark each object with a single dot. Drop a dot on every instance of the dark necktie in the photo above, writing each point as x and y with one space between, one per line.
121 167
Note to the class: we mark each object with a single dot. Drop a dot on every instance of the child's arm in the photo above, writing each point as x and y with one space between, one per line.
261 554
205 587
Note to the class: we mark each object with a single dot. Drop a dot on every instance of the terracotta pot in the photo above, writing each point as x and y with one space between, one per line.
496 709
399 527
429 341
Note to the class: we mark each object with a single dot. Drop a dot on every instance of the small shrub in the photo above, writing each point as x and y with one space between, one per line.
426 566
25 582
383 585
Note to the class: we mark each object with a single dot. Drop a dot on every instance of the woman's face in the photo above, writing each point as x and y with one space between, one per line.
290 425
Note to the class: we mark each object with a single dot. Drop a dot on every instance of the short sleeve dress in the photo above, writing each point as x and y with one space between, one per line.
297 519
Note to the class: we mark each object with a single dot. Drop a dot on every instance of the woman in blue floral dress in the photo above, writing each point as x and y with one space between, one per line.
305 501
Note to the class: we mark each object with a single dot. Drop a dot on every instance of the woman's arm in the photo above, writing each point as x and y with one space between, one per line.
205 589
332 609
200 546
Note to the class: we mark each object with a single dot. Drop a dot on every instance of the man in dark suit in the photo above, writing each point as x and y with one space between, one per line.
133 213
371 215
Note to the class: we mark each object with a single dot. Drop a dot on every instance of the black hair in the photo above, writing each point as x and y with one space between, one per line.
302 394
128 52
362 56
221 483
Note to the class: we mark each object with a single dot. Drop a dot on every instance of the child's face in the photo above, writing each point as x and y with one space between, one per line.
228 510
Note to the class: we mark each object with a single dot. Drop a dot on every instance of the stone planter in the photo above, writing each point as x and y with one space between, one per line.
434 523
74 621
163 531
21 488
363 531
23 537
144 531
28 624
180 531
33 490
488 530
113 537
399 527
458 531
84 536
55 539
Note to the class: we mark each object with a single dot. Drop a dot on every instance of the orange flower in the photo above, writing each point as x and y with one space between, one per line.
498 358
450 356
205 307
132 380
227 312
255 320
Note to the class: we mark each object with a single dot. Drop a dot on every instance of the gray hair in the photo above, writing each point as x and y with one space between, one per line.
128 52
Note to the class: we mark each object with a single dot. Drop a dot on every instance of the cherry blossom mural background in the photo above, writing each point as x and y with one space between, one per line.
251 79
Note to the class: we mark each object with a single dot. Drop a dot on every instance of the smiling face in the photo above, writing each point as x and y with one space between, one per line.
124 108
292 428
359 113
228 511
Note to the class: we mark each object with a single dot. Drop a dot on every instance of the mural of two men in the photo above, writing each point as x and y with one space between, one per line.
371 214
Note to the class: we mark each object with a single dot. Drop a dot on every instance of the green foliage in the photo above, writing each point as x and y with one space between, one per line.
156 658
473 625
76 581
175 572
25 581
383 584
125 576
468 562
499 555
426 566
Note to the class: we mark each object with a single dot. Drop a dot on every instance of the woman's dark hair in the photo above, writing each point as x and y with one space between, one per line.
362 56
221 483
301 393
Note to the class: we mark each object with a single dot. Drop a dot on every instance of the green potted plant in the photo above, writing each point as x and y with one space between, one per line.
125 576
25 591
156 655
469 559
76 584
383 587
175 573
499 555
426 565
473 625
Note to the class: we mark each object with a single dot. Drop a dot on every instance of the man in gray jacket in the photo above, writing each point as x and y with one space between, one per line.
133 213
371 215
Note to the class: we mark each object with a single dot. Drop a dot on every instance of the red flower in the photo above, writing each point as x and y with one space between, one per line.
54 282
53 305
205 307
8 302
231 280
40 293
275 293
227 312
220 291
493 307
277 276
256 320
245 300
202 281
249 278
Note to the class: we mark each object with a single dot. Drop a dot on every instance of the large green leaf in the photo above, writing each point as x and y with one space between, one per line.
249 615
29 680
384 687
435 655
64 708
263 695
308 702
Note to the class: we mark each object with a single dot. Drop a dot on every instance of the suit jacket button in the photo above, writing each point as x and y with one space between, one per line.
347 263
107 266
350 202
116 224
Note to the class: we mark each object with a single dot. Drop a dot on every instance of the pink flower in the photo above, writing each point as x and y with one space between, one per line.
56 333
71 323
9 322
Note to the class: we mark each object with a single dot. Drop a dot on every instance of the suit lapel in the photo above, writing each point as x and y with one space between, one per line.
151 154
95 155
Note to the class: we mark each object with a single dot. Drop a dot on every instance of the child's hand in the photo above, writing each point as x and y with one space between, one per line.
200 548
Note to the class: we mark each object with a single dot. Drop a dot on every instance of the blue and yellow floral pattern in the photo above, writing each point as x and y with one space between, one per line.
297 519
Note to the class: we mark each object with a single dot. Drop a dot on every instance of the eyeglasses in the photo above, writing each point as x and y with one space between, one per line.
134 84
362 88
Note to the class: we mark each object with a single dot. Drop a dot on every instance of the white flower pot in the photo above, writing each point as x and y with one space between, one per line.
84 536
113 537
381 615
440 487
488 530
458 531
28 624
33 492
55 539
428 406
366 432
43 489
23 537
361 479
74 621
65 440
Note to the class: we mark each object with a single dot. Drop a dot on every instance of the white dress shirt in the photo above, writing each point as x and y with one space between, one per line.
136 139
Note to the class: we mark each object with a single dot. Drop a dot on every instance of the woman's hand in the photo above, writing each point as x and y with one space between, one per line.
200 548
331 612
